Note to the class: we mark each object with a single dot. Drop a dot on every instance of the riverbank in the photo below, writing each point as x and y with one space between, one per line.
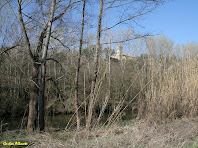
178 133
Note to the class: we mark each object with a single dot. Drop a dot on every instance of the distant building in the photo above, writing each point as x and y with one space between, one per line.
119 55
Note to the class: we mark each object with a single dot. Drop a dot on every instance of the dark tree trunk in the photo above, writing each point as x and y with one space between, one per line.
33 100
34 89
43 69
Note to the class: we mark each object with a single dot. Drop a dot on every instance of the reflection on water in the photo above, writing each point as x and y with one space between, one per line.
57 121
11 123
16 123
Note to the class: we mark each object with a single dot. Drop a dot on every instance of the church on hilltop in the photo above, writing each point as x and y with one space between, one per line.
119 55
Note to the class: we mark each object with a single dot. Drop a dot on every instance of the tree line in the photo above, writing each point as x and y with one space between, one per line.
57 58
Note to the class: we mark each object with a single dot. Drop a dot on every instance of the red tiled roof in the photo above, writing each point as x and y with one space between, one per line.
128 55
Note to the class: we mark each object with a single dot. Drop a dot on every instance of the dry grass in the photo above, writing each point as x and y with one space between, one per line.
179 133
173 85
34 140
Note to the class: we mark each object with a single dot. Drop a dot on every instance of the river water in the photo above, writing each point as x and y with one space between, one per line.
57 121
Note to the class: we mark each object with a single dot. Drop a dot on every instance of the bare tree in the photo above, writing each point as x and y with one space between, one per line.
78 69
126 15
96 58
35 55
35 73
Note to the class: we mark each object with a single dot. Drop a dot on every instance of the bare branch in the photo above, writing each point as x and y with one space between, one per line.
60 42
24 29
54 61
43 33
112 1
64 11
130 18
30 18
18 66
9 48
122 41
26 5
58 89
4 5
42 11
110 6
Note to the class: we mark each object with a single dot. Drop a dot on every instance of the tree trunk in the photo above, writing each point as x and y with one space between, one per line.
43 69
96 58
34 91
78 70
34 84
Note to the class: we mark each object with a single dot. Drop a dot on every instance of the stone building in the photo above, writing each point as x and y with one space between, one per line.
119 55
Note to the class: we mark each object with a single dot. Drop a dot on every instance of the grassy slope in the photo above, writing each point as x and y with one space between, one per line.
179 133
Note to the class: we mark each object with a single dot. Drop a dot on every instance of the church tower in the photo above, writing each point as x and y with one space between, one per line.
119 51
